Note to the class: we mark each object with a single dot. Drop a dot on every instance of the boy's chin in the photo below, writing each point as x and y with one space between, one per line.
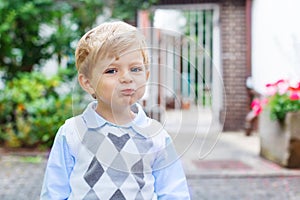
126 103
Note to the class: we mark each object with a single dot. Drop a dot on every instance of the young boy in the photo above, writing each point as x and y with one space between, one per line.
113 150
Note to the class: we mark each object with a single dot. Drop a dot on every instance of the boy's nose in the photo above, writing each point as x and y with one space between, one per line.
125 78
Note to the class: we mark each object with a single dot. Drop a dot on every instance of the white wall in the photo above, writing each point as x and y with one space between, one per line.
275 41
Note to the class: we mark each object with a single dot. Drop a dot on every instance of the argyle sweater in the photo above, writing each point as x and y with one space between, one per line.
93 159
114 163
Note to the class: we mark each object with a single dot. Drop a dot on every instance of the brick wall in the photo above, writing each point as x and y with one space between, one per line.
233 27
233 39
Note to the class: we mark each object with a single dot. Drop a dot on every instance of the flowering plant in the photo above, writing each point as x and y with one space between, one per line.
282 97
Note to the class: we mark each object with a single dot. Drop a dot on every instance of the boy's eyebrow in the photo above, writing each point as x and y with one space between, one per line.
139 62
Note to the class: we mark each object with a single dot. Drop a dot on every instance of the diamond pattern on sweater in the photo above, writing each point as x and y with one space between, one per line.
118 157
137 170
119 142
118 195
93 173
118 171
142 145
139 196
106 153
91 195
92 140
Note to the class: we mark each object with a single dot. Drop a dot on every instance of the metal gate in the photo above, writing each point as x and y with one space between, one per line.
182 56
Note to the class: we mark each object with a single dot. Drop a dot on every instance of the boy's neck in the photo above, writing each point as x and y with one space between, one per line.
119 116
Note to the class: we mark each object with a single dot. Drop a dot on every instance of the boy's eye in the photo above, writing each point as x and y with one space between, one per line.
136 69
111 71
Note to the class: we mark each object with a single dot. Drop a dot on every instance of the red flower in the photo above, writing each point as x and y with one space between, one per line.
282 86
295 88
295 96
271 89
283 96
256 106
295 92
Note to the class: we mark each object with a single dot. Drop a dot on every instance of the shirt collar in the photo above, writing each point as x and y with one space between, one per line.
93 120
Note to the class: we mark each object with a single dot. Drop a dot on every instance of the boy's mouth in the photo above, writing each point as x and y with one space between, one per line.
127 92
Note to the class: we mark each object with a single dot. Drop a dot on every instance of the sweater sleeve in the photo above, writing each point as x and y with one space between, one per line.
170 180
58 170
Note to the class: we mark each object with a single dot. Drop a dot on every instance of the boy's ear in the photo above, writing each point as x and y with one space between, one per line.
147 74
85 84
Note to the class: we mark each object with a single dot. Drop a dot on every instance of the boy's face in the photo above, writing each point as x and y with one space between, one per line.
122 82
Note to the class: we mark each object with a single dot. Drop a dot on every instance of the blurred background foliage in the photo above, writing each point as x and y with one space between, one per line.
32 109
31 33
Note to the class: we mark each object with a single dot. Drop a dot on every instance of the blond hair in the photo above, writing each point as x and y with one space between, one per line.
106 41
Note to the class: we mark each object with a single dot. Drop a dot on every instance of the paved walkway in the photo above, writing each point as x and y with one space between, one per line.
233 170
219 166
21 176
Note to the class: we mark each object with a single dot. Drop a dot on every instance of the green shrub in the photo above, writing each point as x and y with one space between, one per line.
32 109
